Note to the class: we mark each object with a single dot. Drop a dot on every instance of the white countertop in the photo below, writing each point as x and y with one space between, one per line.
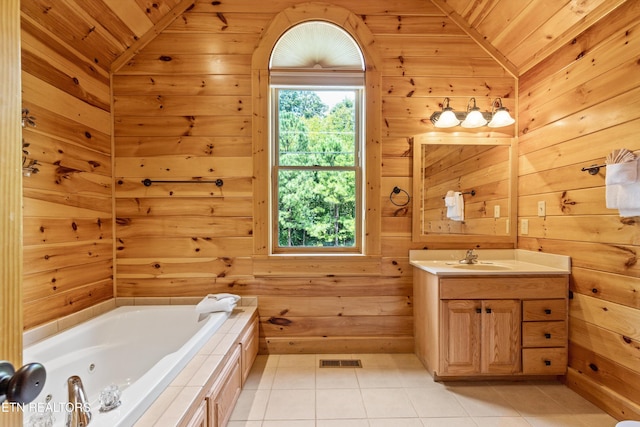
490 262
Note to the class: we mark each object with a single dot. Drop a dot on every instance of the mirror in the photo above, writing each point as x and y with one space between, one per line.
483 170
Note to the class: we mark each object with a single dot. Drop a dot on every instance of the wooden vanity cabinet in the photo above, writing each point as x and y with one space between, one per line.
468 326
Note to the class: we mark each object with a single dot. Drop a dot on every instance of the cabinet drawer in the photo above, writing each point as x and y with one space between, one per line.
544 309
550 361
507 287
544 334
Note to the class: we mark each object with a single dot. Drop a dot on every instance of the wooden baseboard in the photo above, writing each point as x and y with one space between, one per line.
336 345
608 400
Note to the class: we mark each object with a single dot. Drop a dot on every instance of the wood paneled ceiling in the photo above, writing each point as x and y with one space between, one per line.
517 33
521 33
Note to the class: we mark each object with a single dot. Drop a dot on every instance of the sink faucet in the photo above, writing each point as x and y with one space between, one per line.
79 414
470 258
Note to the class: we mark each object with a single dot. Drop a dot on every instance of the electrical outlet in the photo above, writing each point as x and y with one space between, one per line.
524 226
542 208
496 211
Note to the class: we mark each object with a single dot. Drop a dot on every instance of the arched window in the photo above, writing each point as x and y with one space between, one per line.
317 83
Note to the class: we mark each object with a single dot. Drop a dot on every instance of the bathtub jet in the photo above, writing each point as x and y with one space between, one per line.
79 414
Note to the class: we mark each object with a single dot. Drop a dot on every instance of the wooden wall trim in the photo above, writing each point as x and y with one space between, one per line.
11 190
10 184
153 32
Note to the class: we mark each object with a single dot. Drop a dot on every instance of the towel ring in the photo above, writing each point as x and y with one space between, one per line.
398 190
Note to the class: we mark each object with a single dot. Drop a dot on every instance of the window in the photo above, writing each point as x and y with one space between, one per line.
316 141
317 173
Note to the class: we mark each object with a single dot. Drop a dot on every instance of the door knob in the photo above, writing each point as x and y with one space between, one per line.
23 385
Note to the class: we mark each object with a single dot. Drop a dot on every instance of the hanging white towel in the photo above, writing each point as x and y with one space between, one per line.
450 203
623 187
217 302
455 205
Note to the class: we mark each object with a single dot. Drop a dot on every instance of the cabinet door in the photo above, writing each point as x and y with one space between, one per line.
249 343
226 399
199 419
501 346
225 391
460 332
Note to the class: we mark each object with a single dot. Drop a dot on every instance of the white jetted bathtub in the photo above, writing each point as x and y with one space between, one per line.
139 349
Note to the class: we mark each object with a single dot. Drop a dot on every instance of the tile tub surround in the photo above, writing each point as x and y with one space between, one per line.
46 330
395 390
179 400
516 261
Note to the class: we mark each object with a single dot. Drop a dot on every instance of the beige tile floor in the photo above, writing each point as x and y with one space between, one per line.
394 390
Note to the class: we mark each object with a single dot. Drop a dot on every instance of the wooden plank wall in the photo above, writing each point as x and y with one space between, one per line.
68 247
183 109
576 107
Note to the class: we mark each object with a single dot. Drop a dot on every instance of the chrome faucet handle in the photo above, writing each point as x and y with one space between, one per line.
470 258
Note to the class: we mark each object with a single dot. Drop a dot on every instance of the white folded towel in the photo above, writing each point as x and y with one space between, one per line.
622 173
450 199
455 205
623 187
217 302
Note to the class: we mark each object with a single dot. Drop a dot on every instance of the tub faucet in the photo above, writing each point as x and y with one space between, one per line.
470 258
79 413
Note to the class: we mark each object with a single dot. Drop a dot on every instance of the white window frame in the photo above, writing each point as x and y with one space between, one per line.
317 81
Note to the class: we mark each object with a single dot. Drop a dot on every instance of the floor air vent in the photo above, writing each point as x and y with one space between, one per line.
340 363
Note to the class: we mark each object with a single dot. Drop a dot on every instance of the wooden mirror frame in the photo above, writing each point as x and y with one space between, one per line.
466 240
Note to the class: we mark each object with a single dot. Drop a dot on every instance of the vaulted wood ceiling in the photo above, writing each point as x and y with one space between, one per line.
518 33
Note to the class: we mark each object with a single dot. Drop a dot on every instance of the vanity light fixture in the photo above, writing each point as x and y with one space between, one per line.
473 117
500 117
445 118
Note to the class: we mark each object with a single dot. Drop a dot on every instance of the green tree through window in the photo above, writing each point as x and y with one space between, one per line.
317 164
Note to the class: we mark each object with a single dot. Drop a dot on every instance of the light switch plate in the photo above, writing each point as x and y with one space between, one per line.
542 208
524 226
496 211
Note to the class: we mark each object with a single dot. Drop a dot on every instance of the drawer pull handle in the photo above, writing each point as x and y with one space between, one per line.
488 310
547 311
547 336
478 310
547 362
